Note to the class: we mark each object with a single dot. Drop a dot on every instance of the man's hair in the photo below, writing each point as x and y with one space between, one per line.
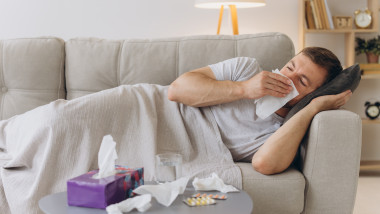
325 59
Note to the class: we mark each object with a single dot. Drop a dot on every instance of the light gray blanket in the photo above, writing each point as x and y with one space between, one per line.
47 146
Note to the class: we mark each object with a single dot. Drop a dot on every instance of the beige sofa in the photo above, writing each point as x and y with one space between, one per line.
37 71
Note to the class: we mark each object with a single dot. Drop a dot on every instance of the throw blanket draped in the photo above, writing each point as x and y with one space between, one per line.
53 143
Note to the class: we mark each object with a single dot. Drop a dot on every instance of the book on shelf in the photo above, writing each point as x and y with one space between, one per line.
329 16
319 12
325 17
317 18
310 22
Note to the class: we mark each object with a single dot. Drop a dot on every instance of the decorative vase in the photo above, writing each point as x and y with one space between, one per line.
372 58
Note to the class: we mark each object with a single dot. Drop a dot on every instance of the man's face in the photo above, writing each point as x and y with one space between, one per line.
306 76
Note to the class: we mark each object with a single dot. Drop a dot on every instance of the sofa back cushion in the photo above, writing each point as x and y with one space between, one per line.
97 64
31 74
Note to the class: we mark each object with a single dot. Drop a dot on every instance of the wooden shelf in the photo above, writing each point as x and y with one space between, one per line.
368 121
342 31
370 165
371 76
349 34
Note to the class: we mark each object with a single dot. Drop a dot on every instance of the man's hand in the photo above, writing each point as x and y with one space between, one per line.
200 88
330 102
278 152
266 83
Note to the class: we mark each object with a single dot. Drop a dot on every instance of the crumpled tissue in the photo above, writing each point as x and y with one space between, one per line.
164 193
213 183
106 158
141 203
267 105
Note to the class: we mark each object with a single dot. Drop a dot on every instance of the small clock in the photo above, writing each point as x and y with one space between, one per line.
372 110
363 19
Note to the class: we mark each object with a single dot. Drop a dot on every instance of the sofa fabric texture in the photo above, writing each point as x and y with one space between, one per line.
96 64
323 148
31 74
37 71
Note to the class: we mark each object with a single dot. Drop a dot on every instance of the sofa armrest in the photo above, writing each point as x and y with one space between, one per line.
330 161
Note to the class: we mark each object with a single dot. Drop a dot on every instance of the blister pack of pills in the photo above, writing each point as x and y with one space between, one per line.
213 196
199 201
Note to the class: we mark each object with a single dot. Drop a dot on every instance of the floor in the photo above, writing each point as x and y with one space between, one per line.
368 192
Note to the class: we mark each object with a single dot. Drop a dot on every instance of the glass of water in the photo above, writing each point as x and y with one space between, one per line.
168 167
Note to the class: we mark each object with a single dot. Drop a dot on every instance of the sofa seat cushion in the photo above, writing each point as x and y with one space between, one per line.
280 193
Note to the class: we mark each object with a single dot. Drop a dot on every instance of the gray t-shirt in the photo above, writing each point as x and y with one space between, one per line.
243 132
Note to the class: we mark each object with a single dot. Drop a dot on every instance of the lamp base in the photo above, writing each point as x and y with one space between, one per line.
235 27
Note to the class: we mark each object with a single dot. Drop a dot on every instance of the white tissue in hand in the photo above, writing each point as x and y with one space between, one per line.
267 105
106 158
165 193
213 183
141 203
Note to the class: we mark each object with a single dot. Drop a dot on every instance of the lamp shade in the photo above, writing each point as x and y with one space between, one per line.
237 3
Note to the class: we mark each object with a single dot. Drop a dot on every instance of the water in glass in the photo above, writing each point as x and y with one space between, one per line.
168 167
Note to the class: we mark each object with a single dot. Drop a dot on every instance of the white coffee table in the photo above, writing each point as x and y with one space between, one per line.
236 203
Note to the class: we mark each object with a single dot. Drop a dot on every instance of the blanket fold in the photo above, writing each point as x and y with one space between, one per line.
61 140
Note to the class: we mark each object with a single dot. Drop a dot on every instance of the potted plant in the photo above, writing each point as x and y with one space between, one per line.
370 47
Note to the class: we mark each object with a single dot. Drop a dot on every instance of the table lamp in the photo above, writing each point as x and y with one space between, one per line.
232 4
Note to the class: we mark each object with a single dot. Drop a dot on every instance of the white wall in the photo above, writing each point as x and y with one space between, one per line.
122 19
117 19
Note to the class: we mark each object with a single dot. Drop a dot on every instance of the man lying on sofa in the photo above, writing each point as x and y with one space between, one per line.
48 145
270 146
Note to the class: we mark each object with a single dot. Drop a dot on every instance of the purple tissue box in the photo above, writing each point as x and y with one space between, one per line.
85 191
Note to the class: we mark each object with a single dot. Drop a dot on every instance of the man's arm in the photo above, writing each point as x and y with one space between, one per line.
200 88
278 152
